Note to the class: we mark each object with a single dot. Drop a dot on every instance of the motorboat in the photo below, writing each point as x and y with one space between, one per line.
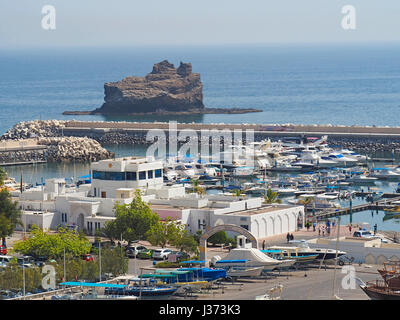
340 159
361 178
304 248
250 257
239 272
328 196
354 155
385 173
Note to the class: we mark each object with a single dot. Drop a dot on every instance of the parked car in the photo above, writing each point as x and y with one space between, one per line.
161 254
4 260
181 256
145 254
26 261
87 257
133 251
363 234
41 261
3 250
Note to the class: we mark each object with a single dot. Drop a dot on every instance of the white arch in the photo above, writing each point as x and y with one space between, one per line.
255 228
285 223
278 225
270 226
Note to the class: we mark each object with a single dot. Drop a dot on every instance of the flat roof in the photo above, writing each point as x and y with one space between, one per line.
262 209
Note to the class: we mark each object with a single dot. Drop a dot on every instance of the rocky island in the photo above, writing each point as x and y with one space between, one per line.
165 90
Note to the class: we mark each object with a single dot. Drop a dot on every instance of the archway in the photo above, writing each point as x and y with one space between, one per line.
224 227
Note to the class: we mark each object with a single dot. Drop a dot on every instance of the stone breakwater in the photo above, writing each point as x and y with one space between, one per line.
35 129
66 149
57 148
111 133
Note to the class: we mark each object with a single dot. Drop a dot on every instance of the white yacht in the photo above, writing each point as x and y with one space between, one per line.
340 159
385 173
304 248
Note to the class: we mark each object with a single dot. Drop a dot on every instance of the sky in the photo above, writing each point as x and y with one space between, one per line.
92 23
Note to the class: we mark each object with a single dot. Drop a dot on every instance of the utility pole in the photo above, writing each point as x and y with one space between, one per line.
23 272
100 261
334 274
65 279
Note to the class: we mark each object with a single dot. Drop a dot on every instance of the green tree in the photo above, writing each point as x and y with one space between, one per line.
162 233
3 176
113 261
10 214
272 197
132 221
40 243
219 237
187 243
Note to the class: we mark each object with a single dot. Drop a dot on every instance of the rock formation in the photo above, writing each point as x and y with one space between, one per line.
166 88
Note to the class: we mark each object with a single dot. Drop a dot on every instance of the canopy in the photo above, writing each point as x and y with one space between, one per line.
193 261
232 261
152 275
91 284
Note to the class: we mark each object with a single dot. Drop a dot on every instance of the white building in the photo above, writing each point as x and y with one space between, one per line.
89 206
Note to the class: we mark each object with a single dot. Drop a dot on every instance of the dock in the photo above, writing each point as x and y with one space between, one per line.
22 152
377 205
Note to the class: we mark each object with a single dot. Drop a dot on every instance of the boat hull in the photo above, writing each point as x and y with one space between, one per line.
377 293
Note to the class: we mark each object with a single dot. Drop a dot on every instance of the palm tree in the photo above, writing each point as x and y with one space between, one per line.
272 197
306 202
201 191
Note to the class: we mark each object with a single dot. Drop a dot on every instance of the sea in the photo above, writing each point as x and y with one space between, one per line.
341 84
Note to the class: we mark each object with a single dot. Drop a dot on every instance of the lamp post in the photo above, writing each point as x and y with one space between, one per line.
100 261
23 272
337 244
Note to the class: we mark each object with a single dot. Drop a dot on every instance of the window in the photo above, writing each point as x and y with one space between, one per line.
158 173
99 175
102 175
117 176
142 175
150 174
131 176
245 226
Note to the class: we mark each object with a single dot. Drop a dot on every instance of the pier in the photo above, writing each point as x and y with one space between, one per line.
377 205
22 152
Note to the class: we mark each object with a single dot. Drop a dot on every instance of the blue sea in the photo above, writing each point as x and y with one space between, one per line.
348 84
339 84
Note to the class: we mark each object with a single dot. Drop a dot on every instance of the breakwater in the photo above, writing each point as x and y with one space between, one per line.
367 139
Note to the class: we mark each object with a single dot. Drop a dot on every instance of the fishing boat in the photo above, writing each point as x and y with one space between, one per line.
378 290
291 253
205 274
144 287
393 209
92 293
391 274
389 287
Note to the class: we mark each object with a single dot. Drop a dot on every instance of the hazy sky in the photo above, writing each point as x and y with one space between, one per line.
160 22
